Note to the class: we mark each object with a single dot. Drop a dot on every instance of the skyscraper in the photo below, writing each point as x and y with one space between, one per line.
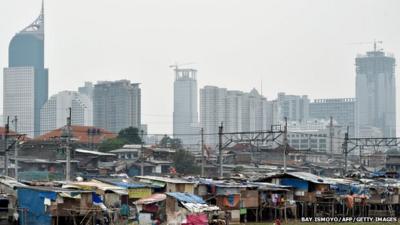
26 80
117 105
55 111
376 92
185 118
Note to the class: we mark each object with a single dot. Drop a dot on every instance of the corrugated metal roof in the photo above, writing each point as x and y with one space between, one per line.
165 179
129 185
186 197
151 199
11 182
309 177
94 152
270 186
94 184
124 182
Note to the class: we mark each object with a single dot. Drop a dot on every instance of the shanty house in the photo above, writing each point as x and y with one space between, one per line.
185 208
151 208
166 184
113 196
46 206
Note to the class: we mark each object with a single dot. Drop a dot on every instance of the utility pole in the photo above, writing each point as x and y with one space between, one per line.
360 148
331 136
67 148
221 167
141 154
345 149
285 145
6 131
16 147
202 152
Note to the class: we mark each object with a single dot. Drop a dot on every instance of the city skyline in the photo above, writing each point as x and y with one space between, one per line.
328 63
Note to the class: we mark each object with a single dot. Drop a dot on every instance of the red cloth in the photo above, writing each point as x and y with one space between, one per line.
197 219
152 208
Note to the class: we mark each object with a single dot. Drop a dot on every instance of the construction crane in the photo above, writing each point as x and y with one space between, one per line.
176 65
375 43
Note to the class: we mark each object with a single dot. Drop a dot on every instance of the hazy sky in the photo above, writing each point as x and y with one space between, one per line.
298 46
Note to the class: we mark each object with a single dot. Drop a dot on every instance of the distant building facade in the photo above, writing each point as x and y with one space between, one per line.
238 111
185 115
376 92
87 89
55 111
25 79
293 107
342 110
213 101
315 135
116 105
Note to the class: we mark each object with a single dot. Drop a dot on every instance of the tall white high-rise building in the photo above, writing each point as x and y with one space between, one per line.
55 111
25 79
293 107
376 93
213 112
254 112
237 110
233 104
185 118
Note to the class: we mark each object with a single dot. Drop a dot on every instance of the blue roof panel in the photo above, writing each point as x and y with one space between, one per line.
186 197
129 185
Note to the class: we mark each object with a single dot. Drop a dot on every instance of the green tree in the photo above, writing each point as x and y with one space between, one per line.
111 144
165 142
130 135
168 142
185 162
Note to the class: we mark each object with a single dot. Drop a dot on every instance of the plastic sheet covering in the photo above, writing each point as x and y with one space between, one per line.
33 201
231 201
152 199
197 208
196 219
96 199
186 197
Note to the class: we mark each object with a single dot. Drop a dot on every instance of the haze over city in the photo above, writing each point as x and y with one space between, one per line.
199 112
297 47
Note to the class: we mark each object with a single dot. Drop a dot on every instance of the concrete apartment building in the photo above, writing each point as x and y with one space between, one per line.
116 105
237 110
293 107
314 135
55 111
342 110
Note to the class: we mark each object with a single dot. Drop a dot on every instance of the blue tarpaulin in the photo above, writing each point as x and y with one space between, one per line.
186 197
96 199
33 201
129 185
295 183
